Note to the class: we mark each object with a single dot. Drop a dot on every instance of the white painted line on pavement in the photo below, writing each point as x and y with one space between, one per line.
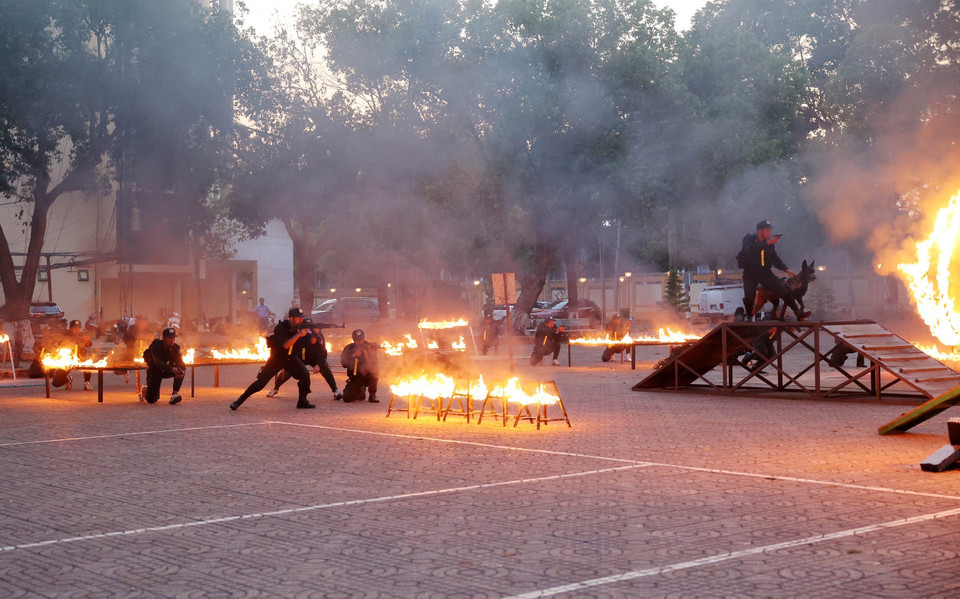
706 561
309 508
458 442
639 462
169 430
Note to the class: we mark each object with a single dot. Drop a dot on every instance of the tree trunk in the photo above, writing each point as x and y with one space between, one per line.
532 285
305 252
573 278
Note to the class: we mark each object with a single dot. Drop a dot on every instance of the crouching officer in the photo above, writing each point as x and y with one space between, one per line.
547 341
283 357
164 360
616 330
363 371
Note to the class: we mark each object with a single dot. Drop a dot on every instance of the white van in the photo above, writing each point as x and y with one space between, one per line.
722 302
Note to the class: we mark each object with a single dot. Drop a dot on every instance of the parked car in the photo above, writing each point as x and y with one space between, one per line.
561 309
45 316
499 311
347 309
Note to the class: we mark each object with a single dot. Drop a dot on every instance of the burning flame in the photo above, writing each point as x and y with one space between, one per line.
189 355
259 353
443 324
663 336
430 386
65 359
4 338
934 303
397 349
459 345
935 352
437 386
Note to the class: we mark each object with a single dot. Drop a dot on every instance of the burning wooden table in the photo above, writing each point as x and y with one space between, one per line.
665 336
66 359
435 388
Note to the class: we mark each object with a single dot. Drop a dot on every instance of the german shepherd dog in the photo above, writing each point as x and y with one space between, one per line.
797 285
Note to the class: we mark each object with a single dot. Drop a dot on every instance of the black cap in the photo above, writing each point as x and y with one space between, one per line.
764 224
358 335
295 312
169 332
75 323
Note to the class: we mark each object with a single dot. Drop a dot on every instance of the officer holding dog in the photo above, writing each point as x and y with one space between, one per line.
283 357
757 258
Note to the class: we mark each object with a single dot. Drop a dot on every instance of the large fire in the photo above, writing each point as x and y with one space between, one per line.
438 386
258 353
443 324
396 349
65 358
663 336
929 281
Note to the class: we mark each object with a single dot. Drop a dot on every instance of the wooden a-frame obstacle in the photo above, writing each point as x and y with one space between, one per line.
892 366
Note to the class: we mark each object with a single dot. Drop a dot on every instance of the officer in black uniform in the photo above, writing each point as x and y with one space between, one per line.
283 357
312 350
489 333
616 330
363 370
547 340
758 257
164 360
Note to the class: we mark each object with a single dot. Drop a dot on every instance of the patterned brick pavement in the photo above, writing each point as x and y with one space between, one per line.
648 495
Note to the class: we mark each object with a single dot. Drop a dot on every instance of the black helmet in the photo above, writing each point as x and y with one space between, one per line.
358 335
295 312
169 332
764 224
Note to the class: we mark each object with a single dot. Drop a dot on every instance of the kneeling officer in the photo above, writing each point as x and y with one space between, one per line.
164 360
283 357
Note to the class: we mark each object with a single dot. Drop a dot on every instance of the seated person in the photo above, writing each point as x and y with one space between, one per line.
164 361
363 371
547 341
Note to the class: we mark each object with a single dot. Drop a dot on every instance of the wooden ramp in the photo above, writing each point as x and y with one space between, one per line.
888 362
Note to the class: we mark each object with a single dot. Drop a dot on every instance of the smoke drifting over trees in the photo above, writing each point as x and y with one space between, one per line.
470 136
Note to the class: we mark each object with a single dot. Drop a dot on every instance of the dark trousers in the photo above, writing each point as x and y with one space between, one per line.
59 378
283 376
292 365
353 390
540 350
154 377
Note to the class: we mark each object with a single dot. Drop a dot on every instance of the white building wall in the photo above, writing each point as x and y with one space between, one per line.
273 254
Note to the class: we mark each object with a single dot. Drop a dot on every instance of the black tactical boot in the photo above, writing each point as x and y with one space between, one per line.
236 404
303 404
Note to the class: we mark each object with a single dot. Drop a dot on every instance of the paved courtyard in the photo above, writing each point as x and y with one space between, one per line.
648 495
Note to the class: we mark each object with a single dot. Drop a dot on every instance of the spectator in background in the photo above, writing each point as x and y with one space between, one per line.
264 315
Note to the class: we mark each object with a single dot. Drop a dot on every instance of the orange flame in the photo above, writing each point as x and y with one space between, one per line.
64 358
4 338
397 349
932 295
436 386
443 324
663 336
459 345
258 353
